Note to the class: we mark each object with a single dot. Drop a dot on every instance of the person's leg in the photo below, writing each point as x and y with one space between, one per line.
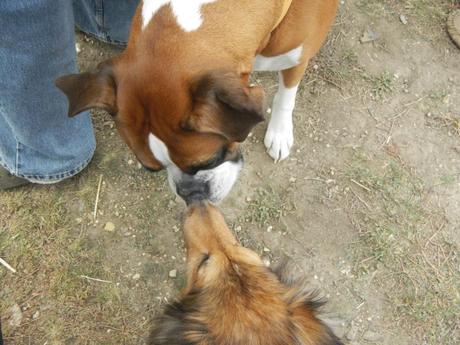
37 139
107 20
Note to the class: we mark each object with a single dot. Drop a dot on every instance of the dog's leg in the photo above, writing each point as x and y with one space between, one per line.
280 137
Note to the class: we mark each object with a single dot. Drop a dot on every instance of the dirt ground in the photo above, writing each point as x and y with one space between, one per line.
367 205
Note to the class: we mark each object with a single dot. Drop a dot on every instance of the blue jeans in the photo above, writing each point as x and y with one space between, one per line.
37 44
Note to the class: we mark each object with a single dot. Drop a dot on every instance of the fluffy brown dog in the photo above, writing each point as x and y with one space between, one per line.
231 298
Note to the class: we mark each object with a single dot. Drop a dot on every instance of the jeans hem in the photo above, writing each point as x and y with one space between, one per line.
54 178
102 37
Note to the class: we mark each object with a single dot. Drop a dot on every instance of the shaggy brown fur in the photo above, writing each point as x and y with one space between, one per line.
231 298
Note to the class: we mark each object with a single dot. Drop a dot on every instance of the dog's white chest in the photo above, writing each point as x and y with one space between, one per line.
187 12
278 63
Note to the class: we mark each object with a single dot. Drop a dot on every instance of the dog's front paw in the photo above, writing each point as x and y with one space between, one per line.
278 141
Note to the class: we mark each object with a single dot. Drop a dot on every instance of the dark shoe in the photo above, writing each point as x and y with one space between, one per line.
453 26
8 180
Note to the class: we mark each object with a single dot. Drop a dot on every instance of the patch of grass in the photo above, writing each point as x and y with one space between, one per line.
427 17
439 95
448 121
372 7
381 84
430 13
267 206
337 66
37 238
402 240
448 180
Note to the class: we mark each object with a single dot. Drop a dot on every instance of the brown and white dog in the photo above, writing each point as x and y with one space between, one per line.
231 298
179 93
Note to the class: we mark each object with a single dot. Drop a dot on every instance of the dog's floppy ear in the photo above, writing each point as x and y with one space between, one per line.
224 105
304 309
90 90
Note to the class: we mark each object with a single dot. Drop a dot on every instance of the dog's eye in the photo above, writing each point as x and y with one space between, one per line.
204 260
216 160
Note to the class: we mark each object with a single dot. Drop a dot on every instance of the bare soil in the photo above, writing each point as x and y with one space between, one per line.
367 205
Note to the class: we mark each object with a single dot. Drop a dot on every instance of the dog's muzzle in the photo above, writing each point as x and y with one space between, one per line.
213 184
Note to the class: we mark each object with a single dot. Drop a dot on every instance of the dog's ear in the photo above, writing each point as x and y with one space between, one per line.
90 90
304 308
224 105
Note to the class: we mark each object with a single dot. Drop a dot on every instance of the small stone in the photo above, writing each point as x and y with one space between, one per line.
369 36
248 199
77 47
173 274
109 226
36 315
139 166
270 228
266 261
266 250
136 276
403 19
16 316
292 180
238 228
269 110
130 162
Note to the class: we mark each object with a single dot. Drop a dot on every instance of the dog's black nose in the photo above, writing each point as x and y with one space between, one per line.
192 190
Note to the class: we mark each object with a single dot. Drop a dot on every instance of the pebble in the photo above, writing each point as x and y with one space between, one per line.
16 316
403 19
109 226
266 261
136 276
173 274
369 36
130 162
270 228
36 315
266 250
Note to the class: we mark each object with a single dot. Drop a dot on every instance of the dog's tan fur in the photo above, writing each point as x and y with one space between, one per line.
231 298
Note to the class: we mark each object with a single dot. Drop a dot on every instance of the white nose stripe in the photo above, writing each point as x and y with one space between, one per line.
159 150
220 178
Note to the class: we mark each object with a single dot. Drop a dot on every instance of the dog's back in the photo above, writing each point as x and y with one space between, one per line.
231 298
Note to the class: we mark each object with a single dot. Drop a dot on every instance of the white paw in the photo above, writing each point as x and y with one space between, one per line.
278 141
